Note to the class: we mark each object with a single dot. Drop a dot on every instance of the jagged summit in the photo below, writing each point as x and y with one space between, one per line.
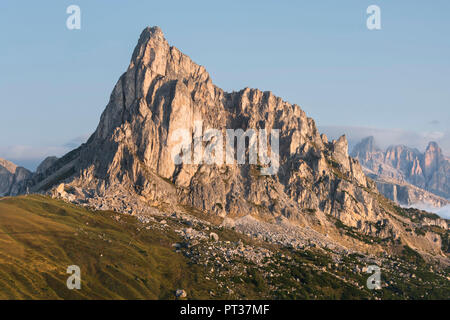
366 149
429 171
434 152
154 31
434 146
154 54
149 34
369 144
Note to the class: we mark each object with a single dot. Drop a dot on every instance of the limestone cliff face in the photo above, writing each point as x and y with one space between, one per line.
12 178
128 160
429 171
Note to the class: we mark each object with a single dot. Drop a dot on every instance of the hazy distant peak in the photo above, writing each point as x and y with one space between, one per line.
365 146
8 165
12 178
154 54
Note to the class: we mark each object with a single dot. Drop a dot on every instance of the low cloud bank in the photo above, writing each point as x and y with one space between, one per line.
31 156
444 212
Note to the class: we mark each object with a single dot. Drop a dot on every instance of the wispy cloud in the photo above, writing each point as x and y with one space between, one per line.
77 141
435 122
31 156
30 152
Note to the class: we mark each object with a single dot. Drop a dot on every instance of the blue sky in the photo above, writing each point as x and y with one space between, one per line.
55 82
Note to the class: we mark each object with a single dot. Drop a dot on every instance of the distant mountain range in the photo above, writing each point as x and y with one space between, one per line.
15 180
405 174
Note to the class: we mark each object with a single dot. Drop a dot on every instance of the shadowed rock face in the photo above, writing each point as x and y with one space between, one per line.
429 171
12 178
46 164
127 165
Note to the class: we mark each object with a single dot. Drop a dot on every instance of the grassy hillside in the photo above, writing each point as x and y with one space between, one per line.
41 237
123 258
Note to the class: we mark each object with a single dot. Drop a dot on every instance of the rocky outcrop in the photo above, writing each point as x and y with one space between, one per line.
12 178
406 166
128 163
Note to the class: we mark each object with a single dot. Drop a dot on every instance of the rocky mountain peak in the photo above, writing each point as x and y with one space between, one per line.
340 150
128 164
163 91
150 32
432 159
433 146
153 54
434 152
368 144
